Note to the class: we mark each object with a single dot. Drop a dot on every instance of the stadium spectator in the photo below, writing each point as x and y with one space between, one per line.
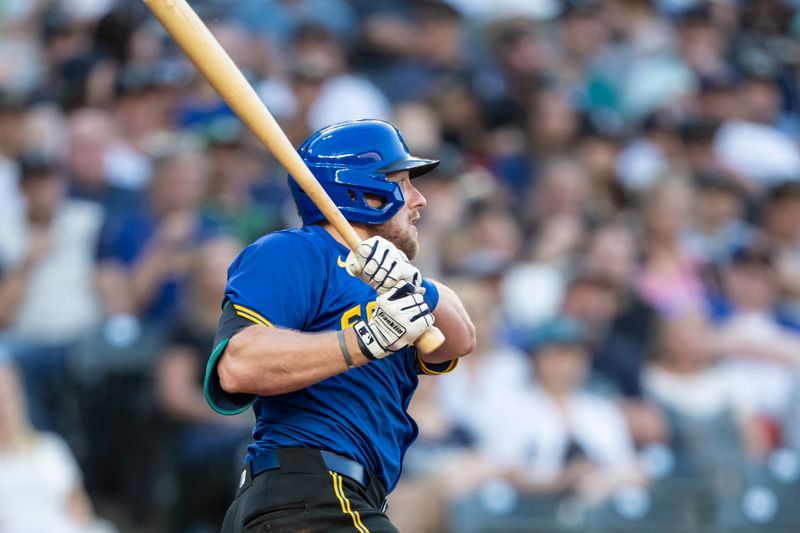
562 439
760 345
40 482
47 277
207 444
239 196
610 159
669 279
12 143
781 224
719 226
91 153
705 404
558 215
144 254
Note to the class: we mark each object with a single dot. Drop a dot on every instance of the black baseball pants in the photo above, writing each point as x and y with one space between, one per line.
303 494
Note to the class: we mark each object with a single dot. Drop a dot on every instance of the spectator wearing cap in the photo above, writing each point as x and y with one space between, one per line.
617 331
146 112
522 59
595 301
560 438
47 295
238 196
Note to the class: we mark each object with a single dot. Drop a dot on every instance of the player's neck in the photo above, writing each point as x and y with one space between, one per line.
363 233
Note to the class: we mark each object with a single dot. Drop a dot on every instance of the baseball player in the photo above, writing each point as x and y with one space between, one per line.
325 359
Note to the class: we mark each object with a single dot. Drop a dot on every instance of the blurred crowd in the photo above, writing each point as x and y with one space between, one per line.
618 205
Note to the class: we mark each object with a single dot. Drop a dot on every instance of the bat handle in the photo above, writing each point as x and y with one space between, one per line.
430 340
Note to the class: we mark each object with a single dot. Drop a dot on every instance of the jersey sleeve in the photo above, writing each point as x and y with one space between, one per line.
435 369
224 402
275 282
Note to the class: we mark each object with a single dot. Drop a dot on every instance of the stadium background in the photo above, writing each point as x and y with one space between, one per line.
631 164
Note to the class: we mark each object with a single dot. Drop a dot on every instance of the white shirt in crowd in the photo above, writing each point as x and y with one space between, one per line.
759 151
61 291
767 383
35 486
470 395
531 432
701 395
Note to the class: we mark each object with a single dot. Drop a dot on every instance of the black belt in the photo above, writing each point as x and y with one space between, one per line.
268 460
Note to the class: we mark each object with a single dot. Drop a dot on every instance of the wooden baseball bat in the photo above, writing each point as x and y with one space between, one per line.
198 43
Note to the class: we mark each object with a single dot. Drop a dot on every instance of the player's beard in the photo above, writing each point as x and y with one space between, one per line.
404 236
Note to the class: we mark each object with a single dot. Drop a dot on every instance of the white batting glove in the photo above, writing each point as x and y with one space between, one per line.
382 265
401 315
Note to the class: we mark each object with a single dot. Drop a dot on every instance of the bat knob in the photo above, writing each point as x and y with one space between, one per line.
430 340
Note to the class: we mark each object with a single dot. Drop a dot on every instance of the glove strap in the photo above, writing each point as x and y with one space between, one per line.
367 343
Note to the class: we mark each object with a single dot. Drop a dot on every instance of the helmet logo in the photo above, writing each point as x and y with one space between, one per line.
374 156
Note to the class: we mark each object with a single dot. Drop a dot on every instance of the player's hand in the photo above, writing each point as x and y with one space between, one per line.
401 315
382 265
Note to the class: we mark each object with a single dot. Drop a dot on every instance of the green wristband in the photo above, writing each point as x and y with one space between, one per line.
345 352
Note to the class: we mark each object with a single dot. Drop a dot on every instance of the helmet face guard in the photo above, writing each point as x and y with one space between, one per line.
352 159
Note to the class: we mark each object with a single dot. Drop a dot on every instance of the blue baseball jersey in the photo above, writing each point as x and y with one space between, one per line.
297 279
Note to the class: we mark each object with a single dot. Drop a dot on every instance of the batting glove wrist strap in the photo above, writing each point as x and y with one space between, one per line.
370 348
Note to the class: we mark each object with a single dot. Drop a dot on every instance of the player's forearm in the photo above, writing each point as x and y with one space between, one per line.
269 361
454 322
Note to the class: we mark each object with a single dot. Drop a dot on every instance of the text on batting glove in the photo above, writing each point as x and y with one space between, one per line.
400 317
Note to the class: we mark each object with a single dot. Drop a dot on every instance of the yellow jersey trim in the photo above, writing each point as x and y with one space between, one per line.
338 489
340 261
251 315
430 372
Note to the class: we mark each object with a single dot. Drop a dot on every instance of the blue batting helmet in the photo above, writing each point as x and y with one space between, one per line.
352 158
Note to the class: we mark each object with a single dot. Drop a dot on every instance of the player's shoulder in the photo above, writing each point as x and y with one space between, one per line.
305 242
295 239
